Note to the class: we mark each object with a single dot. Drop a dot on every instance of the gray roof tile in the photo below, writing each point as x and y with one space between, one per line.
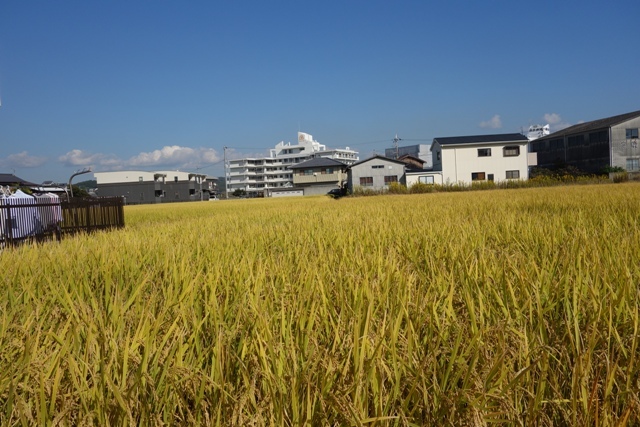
318 162
592 125
480 139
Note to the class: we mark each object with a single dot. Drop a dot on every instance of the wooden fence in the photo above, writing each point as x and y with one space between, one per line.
48 219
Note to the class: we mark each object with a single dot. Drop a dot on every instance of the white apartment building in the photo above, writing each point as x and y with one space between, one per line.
255 175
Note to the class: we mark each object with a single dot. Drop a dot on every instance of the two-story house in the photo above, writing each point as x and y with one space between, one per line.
465 159
319 175
593 146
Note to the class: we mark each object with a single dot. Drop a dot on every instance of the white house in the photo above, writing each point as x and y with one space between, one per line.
464 159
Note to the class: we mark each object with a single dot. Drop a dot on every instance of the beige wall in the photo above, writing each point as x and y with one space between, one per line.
459 162
414 178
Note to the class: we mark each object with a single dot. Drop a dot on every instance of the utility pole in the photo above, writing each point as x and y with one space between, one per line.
226 175
395 144
199 177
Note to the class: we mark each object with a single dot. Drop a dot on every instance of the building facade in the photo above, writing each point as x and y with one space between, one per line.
465 159
140 187
594 145
261 175
375 173
319 175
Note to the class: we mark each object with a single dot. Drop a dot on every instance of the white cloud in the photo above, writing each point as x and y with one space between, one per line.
23 160
552 118
175 155
86 159
169 156
555 122
493 123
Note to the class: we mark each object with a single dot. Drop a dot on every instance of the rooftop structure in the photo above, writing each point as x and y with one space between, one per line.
537 131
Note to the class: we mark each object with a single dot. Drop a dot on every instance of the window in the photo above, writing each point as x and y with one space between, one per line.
366 181
556 144
175 179
158 193
513 174
632 133
599 137
327 171
490 177
425 179
377 167
139 179
477 176
633 164
484 152
511 151
308 172
438 156
575 141
388 179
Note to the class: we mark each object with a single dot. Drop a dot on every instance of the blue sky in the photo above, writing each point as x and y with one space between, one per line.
163 85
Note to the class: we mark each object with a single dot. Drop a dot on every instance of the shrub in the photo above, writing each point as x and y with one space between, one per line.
397 188
612 169
359 191
483 185
420 188
620 177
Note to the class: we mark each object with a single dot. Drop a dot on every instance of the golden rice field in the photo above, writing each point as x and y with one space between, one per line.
515 307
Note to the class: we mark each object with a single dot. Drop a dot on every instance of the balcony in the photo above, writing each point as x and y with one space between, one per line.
318 178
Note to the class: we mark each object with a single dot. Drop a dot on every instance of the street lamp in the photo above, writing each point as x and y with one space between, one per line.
85 170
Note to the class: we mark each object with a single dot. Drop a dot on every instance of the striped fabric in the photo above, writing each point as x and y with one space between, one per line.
22 215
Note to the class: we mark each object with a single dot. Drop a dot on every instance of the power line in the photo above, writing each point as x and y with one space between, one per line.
210 165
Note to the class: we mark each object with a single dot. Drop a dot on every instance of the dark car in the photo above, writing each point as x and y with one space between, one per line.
336 192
